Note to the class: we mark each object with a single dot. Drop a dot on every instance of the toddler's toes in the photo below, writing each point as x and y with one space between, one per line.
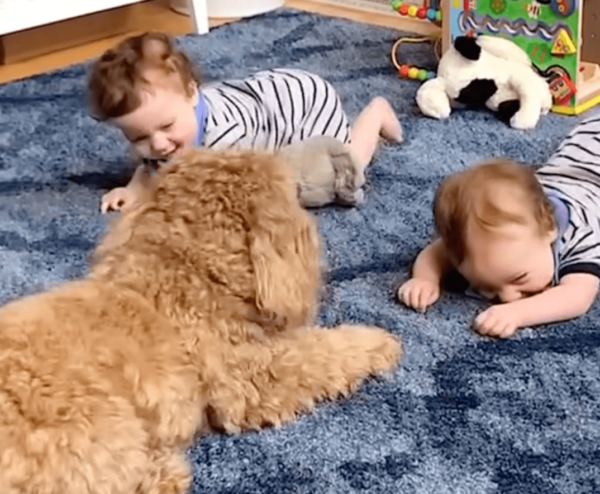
398 135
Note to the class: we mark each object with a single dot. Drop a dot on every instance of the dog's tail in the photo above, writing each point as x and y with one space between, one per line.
297 369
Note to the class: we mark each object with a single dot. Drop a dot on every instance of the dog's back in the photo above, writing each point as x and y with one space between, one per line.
83 370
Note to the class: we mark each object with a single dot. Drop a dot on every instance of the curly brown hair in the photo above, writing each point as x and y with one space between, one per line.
117 77
475 197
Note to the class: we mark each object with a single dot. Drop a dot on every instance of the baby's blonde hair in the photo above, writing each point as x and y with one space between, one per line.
467 198
117 78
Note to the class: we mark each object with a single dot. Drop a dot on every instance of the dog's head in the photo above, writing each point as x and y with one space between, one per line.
229 225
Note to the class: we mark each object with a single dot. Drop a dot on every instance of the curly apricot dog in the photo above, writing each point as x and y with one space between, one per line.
196 315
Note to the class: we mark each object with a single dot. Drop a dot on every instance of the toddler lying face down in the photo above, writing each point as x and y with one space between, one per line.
527 240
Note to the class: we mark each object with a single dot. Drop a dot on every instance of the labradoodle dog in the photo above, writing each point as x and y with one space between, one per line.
196 315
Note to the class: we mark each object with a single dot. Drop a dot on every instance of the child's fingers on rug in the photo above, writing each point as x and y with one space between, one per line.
497 321
116 199
418 293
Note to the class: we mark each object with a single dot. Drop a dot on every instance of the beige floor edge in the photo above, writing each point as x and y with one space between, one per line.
156 15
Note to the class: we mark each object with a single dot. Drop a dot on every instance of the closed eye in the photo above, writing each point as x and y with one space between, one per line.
519 280
530 293
139 138
167 126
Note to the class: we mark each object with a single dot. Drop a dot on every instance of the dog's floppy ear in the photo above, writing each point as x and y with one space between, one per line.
284 250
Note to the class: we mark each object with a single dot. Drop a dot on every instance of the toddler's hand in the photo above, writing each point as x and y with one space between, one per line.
500 321
117 199
419 293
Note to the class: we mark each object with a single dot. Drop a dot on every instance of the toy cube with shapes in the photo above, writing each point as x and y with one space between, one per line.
560 36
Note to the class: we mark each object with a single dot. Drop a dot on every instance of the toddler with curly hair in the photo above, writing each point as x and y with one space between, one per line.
148 88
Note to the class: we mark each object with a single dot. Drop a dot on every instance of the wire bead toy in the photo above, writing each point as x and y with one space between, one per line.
430 11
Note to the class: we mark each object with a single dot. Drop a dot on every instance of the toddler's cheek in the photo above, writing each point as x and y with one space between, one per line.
142 151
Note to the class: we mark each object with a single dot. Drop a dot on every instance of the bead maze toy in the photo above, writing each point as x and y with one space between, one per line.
408 71
558 35
427 11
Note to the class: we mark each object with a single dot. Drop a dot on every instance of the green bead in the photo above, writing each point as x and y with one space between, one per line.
438 16
422 76
396 4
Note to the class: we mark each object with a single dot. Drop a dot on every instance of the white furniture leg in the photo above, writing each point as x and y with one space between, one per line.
199 15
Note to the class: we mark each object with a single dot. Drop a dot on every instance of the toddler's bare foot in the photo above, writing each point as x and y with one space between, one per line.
391 128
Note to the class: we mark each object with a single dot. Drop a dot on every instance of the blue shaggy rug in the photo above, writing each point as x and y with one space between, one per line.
462 414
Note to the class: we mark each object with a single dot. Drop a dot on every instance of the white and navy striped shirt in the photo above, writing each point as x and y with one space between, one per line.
572 176
271 109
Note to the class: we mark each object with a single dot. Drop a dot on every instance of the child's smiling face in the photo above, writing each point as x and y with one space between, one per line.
164 124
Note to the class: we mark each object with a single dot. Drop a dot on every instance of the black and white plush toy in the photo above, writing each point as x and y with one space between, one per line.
487 71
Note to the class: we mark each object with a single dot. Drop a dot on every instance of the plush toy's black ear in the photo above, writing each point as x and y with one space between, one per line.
467 46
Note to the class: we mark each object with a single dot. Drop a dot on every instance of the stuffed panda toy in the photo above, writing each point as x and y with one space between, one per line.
487 71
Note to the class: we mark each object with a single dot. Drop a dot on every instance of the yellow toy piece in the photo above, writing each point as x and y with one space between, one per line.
564 44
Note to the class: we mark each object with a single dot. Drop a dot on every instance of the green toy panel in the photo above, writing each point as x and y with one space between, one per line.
537 26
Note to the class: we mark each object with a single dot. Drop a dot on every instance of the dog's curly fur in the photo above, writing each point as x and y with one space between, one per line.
196 313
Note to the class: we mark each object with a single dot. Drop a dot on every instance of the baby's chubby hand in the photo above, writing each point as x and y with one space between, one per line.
117 199
419 293
500 321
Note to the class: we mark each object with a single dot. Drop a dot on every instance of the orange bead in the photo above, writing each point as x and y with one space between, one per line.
403 10
404 71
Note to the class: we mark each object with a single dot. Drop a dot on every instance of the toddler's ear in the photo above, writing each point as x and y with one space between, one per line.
552 235
194 93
